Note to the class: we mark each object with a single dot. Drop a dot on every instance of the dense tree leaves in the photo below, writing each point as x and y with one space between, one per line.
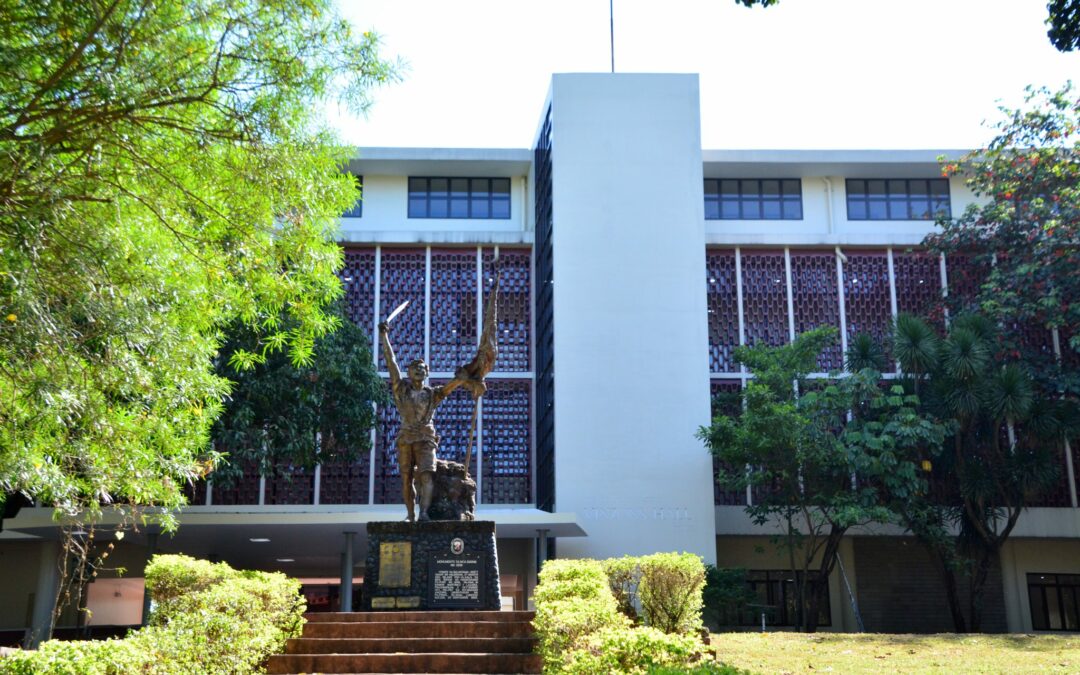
283 415
162 178
1000 457
823 456
1019 245
1063 19
1064 23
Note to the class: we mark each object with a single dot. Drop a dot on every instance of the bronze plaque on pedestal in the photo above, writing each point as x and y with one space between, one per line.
395 564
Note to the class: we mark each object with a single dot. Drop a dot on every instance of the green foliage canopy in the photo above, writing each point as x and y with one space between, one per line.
208 618
280 414
1000 457
820 452
1063 17
163 177
1022 239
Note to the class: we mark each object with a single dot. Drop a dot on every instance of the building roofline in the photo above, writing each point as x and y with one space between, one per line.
385 161
825 156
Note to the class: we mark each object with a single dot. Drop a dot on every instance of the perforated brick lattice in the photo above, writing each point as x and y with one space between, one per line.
722 298
387 474
358 280
1035 341
764 297
816 299
290 485
515 272
964 276
245 490
727 406
867 297
403 279
1070 357
341 483
1056 495
453 308
507 442
918 284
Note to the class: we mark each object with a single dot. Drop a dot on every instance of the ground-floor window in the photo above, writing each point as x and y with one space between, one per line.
776 597
1055 601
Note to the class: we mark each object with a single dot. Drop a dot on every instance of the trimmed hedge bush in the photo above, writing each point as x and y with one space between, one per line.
208 618
624 577
585 614
670 590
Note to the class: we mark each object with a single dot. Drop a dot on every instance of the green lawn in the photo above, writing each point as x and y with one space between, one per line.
879 653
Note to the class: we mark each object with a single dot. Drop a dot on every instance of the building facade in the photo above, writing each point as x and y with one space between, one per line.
632 263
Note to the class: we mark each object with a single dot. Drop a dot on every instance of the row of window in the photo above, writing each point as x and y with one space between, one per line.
725 199
475 198
867 199
1054 602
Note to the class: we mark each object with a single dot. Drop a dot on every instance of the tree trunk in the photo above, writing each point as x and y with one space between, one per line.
952 594
978 588
820 586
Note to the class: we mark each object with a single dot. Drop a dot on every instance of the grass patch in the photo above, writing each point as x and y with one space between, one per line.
881 653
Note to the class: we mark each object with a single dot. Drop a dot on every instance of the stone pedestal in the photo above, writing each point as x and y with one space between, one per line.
431 565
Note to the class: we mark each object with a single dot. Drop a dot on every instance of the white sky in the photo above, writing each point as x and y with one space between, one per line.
802 74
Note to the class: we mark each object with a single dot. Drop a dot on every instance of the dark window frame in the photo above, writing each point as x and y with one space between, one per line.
776 591
895 199
1066 594
747 199
438 197
357 209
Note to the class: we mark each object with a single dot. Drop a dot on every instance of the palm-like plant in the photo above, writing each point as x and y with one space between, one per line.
988 483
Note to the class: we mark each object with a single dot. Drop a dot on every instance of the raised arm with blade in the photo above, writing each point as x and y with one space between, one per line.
417 441
472 374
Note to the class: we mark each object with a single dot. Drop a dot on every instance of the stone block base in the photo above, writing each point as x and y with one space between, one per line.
433 565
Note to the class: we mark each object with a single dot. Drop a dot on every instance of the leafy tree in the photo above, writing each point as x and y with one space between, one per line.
1020 241
1063 19
1064 23
998 459
163 177
822 452
280 414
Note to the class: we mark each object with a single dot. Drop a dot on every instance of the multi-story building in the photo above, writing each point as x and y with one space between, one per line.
632 262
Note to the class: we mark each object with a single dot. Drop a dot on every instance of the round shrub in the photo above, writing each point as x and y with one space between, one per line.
208 618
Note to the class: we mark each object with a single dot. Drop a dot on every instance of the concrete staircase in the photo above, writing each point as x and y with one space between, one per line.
412 642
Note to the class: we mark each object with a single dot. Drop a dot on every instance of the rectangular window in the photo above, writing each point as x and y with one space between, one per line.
753 199
357 209
898 199
479 198
775 597
1055 601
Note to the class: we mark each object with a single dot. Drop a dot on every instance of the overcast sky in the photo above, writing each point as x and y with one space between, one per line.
803 74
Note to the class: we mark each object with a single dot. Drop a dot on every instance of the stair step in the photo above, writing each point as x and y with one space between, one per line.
468 615
382 645
418 629
455 662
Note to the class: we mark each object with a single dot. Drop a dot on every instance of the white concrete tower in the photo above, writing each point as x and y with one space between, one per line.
630 331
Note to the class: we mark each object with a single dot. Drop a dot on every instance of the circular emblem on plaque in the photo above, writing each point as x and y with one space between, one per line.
457 546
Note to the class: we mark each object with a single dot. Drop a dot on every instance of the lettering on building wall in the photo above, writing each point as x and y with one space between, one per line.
634 513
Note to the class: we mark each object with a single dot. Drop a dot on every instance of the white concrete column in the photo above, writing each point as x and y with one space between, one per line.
631 330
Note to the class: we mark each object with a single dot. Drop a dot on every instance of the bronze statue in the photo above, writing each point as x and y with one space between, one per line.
416 402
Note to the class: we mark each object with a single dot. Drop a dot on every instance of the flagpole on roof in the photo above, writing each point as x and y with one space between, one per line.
611 18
